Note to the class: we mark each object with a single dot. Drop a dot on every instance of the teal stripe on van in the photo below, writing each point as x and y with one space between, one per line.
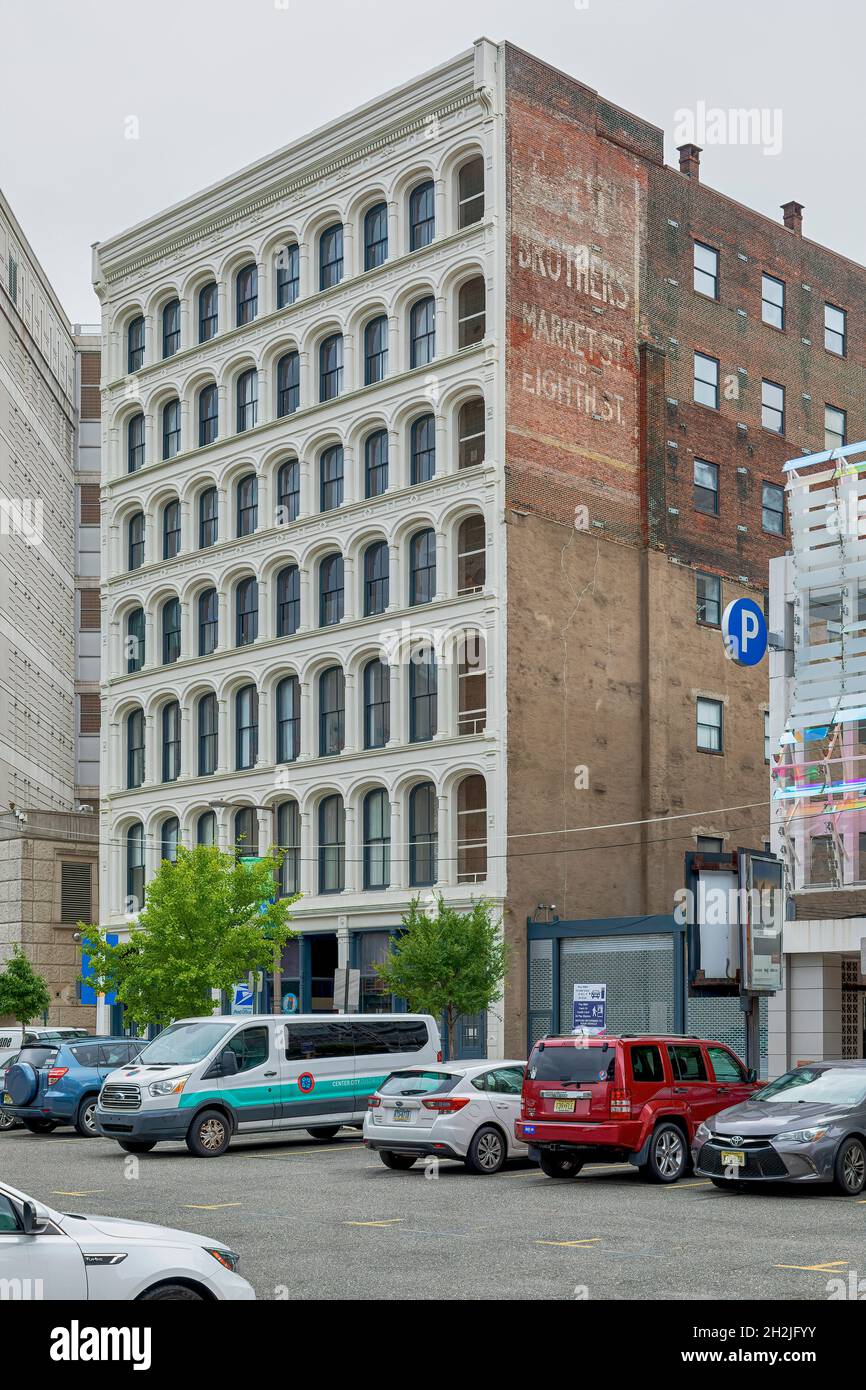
287 1092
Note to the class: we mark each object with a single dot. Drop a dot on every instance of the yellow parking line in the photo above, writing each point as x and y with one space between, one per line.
583 1244
299 1153
91 1192
391 1221
674 1186
208 1206
817 1269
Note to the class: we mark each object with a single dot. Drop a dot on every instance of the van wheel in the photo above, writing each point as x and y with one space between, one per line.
399 1161
486 1154
668 1156
209 1134
38 1126
137 1146
557 1165
849 1170
85 1119
324 1131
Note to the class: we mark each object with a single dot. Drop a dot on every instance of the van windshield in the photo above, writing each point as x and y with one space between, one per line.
183 1042
572 1063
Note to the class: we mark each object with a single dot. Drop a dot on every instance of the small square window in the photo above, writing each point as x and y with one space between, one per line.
709 725
773 407
773 509
773 301
706 270
706 491
706 380
710 844
708 591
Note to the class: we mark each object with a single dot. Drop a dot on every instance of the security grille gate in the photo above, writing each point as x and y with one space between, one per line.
638 972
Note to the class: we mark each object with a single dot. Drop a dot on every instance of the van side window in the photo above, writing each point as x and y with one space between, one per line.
251 1047
389 1035
725 1065
687 1063
307 1041
646 1063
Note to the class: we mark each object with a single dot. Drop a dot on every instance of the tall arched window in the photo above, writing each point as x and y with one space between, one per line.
169 836
208 518
135 748
376 350
471 684
331 256
135 444
246 828
288 384
288 492
208 622
171 429
471 555
472 830
170 616
288 275
376 236
247 400
208 415
332 845
470 434
208 735
422 215
331 367
423 835
422 332
135 867
247 505
331 478
423 449
171 529
171 328
375 578
332 712
208 308
135 640
246 612
246 727
422 695
470 192
331 590
135 541
376 463
288 601
377 839
377 704
171 741
288 711
206 828
246 294
471 312
422 566
289 841
135 344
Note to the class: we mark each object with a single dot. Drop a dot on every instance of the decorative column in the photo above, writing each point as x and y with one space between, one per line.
350 717
186 643
264 758
306 614
223 621
445 693
222 735
394 248
442 585
399 855
350 602
151 758
352 875
349 382
308 856
307 740
441 212
149 639
222 307
445 866
186 758
395 592
397 711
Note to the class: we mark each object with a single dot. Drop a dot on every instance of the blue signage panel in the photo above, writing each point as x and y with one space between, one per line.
590 1007
744 632
88 993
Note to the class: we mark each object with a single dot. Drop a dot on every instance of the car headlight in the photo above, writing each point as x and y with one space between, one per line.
168 1088
803 1136
703 1132
229 1259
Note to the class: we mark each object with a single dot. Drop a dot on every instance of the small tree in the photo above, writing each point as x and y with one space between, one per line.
23 994
208 920
447 962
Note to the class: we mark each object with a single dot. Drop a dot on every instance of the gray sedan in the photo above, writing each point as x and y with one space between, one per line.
807 1126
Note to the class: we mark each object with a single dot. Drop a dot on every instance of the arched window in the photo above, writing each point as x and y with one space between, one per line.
135 444
423 449
375 578
135 867
332 845
422 695
288 492
208 518
423 835
171 429
471 312
171 328
135 640
376 463
288 275
246 612
376 350
472 830
377 704
208 415
376 236
169 836
246 727
170 631
135 748
331 367
471 555
331 592
422 566
206 828
208 622
470 434
331 256
422 215
288 601
247 294
208 735
288 719
288 384
289 841
331 478
332 712
171 529
246 828
470 192
422 332
247 400
208 308
171 741
247 504
377 839
135 344
471 684
135 541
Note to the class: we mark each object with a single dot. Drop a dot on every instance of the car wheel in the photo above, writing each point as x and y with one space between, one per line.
209 1134
399 1161
175 1293
849 1170
137 1146
86 1117
324 1131
39 1126
559 1165
7 1121
487 1152
668 1157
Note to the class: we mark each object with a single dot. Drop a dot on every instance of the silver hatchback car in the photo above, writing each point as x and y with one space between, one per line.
807 1126
462 1110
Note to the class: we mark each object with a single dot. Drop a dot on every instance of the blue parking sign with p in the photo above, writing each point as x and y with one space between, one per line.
744 632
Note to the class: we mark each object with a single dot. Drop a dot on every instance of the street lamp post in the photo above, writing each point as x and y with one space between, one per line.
276 974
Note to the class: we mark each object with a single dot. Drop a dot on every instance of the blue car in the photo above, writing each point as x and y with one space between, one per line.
57 1083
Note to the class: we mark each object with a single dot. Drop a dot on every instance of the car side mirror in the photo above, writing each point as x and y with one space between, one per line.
228 1063
751 1074
28 1218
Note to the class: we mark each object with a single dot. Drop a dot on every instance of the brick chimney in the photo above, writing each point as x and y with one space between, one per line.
792 214
690 160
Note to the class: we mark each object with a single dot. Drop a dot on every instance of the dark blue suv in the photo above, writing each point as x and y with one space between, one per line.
50 1084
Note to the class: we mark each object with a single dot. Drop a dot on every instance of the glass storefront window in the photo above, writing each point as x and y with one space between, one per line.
373 948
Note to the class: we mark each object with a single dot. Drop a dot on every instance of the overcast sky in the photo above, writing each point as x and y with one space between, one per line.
217 83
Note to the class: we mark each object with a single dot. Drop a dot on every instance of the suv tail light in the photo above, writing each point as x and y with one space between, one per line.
439 1055
55 1073
446 1105
373 1102
620 1102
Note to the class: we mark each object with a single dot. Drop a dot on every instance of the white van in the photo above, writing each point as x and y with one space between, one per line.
13 1037
205 1079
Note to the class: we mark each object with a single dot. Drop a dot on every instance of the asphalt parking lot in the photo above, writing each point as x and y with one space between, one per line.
330 1221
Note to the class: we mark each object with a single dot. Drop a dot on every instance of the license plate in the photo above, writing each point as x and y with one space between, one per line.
402 1112
733 1158
561 1105
7 1099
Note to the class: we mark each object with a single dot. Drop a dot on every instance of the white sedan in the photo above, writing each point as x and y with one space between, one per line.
462 1110
46 1254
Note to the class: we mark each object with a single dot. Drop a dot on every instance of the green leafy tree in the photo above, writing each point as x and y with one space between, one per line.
23 994
447 962
208 920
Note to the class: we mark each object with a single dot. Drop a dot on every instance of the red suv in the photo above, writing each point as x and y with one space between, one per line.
634 1099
